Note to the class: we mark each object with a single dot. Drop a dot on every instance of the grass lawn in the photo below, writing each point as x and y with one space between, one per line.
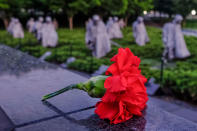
179 79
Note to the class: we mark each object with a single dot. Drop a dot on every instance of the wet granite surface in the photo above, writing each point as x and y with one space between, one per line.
15 62
154 119
20 98
5 123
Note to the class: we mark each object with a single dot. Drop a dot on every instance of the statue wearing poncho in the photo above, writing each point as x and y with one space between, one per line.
11 25
49 34
38 27
115 31
173 40
109 23
100 39
17 30
30 25
88 35
139 32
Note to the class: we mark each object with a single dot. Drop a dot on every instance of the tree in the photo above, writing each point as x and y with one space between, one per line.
125 8
165 6
12 8
136 7
72 7
113 7
4 6
170 7
184 7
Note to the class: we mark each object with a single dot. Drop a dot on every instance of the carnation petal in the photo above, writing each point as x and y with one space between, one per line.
125 94
106 110
114 84
113 69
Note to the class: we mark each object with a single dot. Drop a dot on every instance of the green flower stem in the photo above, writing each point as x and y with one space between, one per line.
94 87
70 87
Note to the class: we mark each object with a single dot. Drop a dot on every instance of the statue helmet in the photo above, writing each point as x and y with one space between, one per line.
40 19
96 18
140 19
16 20
115 19
48 19
178 18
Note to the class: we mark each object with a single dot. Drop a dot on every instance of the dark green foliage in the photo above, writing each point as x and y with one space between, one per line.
170 7
191 24
165 6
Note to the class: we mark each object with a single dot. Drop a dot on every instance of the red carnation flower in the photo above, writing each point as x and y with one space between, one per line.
125 94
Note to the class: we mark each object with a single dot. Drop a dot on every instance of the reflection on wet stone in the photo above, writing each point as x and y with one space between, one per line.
93 122
153 118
